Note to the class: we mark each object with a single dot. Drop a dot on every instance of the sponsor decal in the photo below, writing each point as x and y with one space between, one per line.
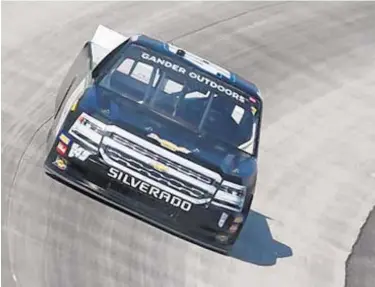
64 139
74 106
195 76
169 145
223 218
216 86
253 110
60 163
79 152
81 119
61 148
163 62
148 189
238 219
253 100
237 114
233 228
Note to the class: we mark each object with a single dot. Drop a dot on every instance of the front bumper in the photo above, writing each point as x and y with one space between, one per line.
199 225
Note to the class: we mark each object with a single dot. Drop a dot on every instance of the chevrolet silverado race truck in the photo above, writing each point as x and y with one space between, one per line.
160 133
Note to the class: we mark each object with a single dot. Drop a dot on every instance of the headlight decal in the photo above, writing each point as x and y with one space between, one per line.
230 195
88 130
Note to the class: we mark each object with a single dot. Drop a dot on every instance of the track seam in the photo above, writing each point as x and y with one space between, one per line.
225 20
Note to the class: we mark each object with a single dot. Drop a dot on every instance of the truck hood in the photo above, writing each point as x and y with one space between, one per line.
233 164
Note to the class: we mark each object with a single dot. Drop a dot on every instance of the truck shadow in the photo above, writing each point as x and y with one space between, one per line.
256 244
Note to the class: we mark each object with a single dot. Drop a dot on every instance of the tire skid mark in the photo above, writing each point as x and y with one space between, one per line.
215 23
8 200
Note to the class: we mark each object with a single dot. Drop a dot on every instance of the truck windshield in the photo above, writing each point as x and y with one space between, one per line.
179 91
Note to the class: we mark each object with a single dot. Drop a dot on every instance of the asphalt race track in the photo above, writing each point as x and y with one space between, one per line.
315 63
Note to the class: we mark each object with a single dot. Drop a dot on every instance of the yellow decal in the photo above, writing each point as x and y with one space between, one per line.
160 167
74 106
64 139
60 163
169 145
253 110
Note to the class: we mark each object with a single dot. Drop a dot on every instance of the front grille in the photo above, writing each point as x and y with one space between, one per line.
146 170
150 154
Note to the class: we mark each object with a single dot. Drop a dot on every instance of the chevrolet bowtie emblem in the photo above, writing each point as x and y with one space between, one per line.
169 145
160 167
